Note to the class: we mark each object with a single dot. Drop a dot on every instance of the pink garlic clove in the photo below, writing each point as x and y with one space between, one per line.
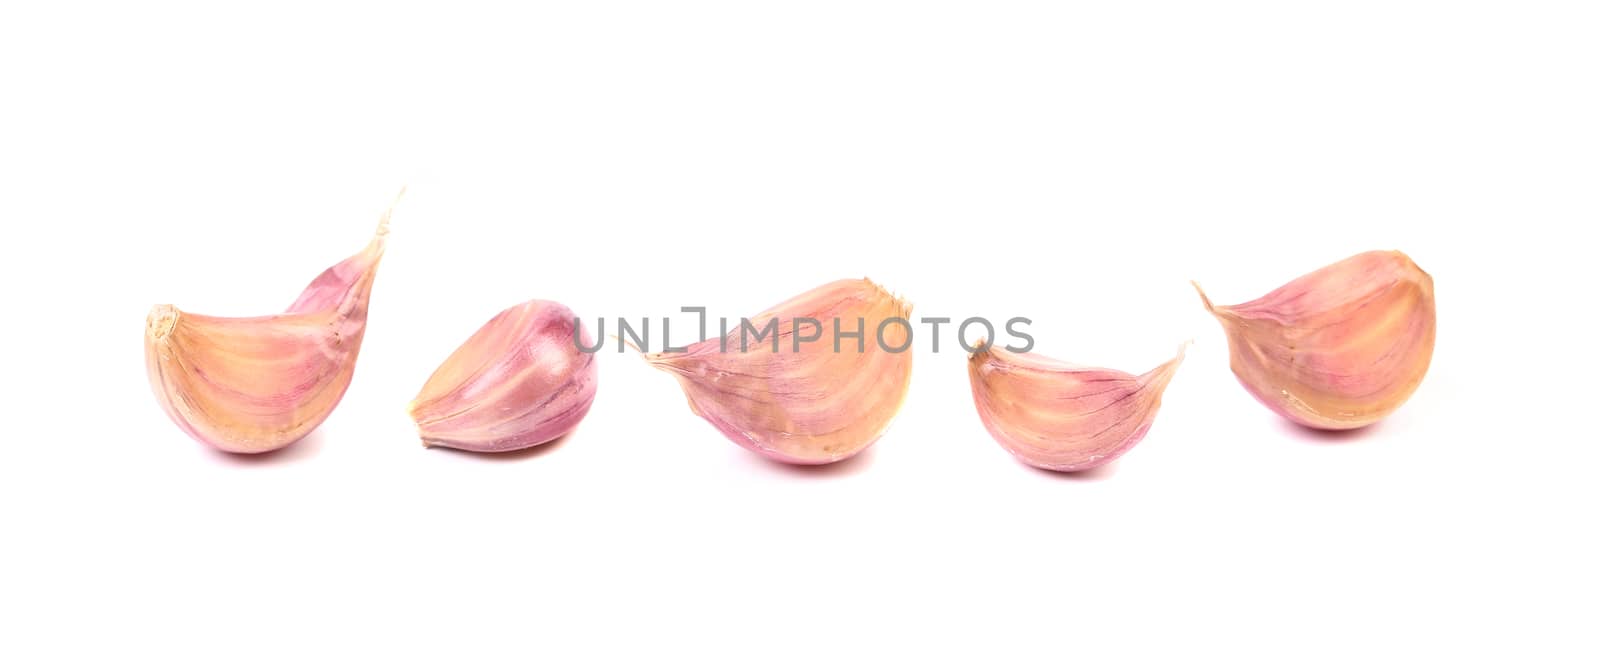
804 403
257 384
518 382
1063 417
1339 348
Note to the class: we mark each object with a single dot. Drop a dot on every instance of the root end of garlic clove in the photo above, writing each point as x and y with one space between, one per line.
161 321
979 347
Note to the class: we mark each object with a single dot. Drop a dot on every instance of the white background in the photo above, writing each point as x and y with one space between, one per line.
1070 163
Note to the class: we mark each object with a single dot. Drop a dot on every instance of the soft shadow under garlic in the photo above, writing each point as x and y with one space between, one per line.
1328 436
510 456
303 450
854 465
1100 473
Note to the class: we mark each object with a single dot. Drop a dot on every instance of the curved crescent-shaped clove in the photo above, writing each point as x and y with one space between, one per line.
1338 348
257 384
1059 416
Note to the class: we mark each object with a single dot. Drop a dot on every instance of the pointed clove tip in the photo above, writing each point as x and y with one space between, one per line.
659 359
383 225
1203 298
1411 264
1183 352
379 234
1162 374
162 319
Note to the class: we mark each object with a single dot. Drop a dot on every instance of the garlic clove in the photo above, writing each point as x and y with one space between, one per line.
804 403
1339 348
257 384
1059 416
518 382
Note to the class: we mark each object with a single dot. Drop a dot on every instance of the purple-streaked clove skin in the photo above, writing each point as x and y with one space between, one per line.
798 401
518 382
1338 348
1059 416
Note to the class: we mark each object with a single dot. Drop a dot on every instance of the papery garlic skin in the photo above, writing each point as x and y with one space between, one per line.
257 384
1339 348
519 381
1059 416
814 405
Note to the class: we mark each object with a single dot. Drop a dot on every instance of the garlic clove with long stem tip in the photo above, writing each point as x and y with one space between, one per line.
519 381
1060 416
257 384
1338 348
815 401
